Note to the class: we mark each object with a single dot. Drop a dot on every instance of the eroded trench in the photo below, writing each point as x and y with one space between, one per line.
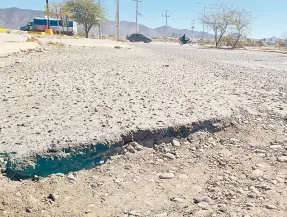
87 156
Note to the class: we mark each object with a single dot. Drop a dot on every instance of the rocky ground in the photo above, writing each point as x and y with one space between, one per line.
238 172
75 95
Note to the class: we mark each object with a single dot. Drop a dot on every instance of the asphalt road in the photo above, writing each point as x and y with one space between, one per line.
73 95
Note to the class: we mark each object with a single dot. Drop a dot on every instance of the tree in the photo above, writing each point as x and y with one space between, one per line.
281 43
239 25
86 12
219 18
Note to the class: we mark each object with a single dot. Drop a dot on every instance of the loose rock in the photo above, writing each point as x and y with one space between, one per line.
175 143
167 176
164 214
53 197
270 206
170 156
282 159
71 177
203 199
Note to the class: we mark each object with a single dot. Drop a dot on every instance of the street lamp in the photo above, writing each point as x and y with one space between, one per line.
203 21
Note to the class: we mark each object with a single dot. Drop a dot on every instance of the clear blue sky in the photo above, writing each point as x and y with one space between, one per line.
270 17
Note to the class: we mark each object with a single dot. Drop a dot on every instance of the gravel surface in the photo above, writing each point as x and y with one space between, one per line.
78 95
232 173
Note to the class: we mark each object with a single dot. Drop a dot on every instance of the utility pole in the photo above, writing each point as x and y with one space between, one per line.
203 23
192 27
118 19
166 15
48 13
100 34
137 13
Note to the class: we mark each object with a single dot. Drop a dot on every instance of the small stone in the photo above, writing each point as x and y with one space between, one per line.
220 178
263 186
274 182
282 159
186 143
262 155
250 205
18 194
240 191
233 178
276 146
137 146
28 210
256 174
175 143
193 148
71 177
254 190
119 180
203 199
170 156
53 197
164 214
177 199
91 205
131 149
280 180
167 176
19 200
203 205
270 206
260 151
166 149
233 140
183 176
134 213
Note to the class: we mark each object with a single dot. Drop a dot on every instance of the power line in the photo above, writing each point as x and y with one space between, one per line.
137 13
166 15
146 19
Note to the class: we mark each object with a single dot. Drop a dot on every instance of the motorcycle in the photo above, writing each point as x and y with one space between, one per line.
187 41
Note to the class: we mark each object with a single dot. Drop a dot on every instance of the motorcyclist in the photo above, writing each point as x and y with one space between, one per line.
184 39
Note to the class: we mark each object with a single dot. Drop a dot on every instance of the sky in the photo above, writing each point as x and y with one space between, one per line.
269 17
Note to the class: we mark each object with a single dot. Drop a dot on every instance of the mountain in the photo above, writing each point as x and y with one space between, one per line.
127 28
14 18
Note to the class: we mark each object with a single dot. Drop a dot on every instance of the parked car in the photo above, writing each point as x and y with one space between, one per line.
138 38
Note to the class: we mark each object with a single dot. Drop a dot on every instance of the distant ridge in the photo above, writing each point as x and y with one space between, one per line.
14 18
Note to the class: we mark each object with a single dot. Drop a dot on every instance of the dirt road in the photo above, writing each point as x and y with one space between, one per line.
74 97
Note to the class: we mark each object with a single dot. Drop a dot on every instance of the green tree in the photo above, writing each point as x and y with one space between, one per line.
86 12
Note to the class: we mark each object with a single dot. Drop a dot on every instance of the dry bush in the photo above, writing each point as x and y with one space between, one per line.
122 40
58 44
33 39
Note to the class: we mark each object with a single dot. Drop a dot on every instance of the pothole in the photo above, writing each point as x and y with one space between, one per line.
87 156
